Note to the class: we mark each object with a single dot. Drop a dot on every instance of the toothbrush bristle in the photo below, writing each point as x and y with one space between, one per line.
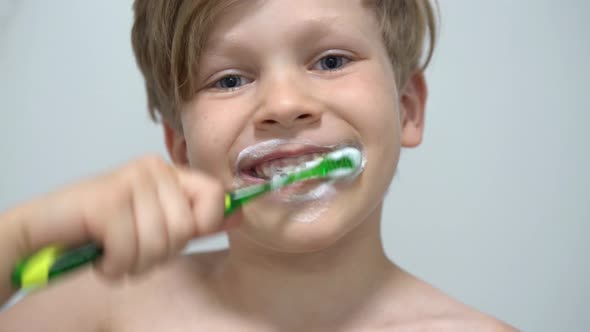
342 163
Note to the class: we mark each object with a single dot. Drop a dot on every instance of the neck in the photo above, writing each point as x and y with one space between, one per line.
324 287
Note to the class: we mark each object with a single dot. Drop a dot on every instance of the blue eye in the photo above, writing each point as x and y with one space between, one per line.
331 62
231 82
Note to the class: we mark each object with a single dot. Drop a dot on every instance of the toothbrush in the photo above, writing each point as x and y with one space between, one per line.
53 261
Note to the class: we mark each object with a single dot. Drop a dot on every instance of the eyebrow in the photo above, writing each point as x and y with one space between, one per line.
308 31
313 30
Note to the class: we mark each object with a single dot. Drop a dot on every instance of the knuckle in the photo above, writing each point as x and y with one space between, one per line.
153 162
111 199
216 189
131 174
109 191
202 177
142 168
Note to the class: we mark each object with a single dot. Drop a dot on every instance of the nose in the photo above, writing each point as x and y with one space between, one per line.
286 103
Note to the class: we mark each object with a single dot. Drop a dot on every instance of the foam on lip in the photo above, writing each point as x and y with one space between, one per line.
310 204
261 149
352 154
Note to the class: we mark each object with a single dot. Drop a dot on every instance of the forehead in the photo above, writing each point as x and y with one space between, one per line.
248 19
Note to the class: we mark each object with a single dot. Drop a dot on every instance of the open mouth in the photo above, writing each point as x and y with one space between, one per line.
268 159
267 169
265 161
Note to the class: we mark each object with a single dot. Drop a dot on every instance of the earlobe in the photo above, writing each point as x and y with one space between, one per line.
412 109
175 145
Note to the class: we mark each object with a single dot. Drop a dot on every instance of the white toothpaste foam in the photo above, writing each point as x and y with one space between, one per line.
310 206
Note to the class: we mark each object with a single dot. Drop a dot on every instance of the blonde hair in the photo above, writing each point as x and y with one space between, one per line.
168 36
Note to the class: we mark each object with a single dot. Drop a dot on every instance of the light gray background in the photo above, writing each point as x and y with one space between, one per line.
493 208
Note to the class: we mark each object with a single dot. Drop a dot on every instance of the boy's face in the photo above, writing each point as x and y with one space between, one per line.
281 79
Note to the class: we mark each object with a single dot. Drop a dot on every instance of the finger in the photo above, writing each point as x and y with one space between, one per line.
176 206
120 244
152 237
207 199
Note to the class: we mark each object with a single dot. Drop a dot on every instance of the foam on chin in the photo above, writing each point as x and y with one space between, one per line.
310 206
315 202
323 190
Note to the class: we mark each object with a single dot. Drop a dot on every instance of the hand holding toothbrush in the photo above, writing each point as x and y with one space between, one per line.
159 208
141 214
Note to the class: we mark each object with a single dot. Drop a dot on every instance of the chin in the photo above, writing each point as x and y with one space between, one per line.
309 220
305 230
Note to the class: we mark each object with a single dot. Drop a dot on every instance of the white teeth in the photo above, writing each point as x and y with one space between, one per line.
284 165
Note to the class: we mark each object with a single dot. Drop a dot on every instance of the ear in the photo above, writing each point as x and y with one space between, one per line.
412 107
175 144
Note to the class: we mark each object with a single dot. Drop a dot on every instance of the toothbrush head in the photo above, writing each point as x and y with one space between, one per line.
337 164
342 163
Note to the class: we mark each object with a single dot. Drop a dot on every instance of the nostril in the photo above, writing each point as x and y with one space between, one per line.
287 121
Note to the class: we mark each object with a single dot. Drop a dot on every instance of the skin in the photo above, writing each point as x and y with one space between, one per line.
278 275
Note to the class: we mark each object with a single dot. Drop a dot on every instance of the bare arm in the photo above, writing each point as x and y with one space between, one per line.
77 302
12 247
142 214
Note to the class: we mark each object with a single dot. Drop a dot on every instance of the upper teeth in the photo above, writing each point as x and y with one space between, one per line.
270 168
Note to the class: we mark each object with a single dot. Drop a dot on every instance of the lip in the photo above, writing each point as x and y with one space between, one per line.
276 149
283 152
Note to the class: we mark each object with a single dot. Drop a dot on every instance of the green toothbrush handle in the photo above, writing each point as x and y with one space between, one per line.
53 261
50 262
75 258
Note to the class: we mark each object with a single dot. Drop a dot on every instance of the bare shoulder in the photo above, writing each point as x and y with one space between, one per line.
426 308
455 316
454 319
465 323
78 302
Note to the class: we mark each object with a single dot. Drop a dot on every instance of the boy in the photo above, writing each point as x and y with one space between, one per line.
245 88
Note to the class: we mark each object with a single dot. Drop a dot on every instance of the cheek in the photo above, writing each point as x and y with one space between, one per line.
368 101
208 136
